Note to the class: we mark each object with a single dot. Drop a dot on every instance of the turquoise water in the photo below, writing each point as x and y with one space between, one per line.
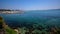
48 17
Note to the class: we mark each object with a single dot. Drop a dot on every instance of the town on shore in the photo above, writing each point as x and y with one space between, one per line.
8 11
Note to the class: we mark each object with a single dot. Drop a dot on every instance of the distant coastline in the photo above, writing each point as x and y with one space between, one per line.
11 11
8 11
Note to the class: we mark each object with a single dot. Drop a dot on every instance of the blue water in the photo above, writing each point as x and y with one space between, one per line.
49 17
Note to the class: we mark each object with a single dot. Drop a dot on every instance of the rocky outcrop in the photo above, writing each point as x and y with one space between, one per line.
5 29
2 26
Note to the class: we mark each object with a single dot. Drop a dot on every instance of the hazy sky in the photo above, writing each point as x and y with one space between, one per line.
30 4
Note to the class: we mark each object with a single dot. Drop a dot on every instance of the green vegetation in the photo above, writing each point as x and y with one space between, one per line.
10 31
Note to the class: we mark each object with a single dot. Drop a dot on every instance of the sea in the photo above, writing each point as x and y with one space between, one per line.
40 17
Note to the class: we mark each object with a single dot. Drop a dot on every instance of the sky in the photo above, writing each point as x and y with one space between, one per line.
30 4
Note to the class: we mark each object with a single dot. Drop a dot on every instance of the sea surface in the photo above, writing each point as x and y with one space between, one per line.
48 17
